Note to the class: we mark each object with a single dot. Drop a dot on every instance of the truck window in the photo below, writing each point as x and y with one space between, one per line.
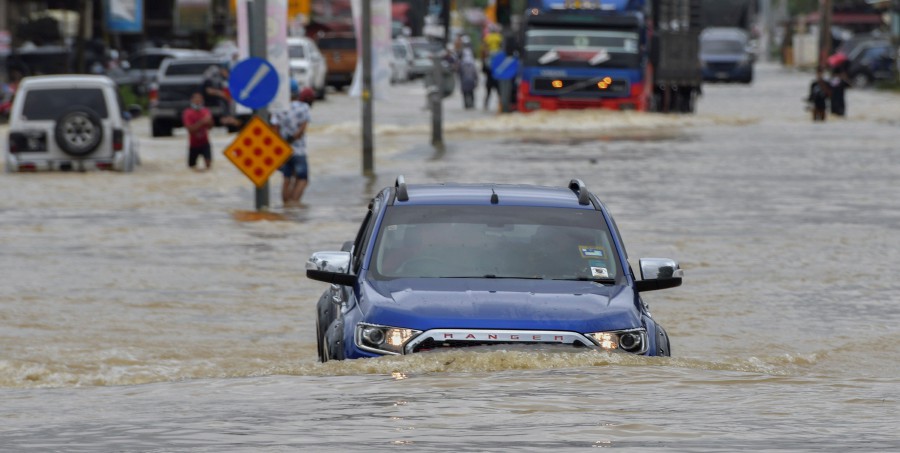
574 47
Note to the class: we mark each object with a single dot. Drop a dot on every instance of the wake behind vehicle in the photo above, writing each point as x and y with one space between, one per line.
70 122
442 266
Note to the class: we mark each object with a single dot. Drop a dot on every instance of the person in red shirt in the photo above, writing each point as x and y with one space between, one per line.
198 121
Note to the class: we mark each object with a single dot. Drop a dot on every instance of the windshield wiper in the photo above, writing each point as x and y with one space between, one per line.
604 281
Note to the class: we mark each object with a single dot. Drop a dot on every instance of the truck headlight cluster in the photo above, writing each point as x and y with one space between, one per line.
383 339
633 340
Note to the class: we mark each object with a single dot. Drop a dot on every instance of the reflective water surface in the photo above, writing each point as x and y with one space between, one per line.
158 311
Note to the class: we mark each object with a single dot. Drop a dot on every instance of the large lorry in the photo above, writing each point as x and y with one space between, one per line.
613 54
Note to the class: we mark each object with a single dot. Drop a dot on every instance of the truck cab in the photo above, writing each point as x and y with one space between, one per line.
613 54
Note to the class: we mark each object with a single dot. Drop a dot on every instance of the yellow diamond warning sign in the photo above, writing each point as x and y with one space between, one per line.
258 151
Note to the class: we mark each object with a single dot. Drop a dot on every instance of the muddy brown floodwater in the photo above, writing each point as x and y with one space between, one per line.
158 311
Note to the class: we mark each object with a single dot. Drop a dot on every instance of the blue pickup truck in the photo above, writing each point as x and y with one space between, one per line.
439 266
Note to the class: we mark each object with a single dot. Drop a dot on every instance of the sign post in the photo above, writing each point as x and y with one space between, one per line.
256 15
254 83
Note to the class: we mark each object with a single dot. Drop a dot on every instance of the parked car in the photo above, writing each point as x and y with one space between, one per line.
442 266
726 55
871 60
339 49
176 80
402 57
70 122
423 50
307 64
144 64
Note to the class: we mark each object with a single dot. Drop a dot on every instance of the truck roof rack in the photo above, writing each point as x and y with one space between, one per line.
400 185
577 186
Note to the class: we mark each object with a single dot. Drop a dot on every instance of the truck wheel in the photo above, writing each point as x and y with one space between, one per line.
78 131
686 101
160 128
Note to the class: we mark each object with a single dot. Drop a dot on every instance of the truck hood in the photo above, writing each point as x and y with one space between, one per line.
424 304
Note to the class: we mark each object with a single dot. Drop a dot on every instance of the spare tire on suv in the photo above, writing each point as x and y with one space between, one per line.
78 131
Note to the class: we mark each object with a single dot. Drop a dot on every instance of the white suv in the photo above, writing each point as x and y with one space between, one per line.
307 64
70 122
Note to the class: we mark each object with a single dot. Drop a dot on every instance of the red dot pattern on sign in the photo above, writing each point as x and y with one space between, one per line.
257 152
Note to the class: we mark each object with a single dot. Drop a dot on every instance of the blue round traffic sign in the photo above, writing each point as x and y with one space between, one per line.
503 66
253 82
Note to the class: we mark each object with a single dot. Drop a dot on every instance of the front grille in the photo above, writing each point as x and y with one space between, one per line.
543 85
721 67
432 345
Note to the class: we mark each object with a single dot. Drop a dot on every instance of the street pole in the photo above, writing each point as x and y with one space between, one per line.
824 32
368 148
436 91
256 15
436 96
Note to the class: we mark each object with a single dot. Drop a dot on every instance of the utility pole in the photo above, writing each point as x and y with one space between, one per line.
368 160
256 22
825 9
436 90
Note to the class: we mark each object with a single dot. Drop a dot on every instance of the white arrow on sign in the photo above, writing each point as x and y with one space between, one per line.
505 64
254 81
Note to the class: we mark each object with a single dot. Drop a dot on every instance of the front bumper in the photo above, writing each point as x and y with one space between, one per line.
26 163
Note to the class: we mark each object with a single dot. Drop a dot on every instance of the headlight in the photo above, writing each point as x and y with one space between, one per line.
383 339
633 340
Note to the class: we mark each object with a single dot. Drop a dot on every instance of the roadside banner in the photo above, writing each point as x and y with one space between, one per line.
125 16
381 48
276 46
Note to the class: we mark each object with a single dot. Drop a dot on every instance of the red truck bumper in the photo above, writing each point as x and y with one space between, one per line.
637 100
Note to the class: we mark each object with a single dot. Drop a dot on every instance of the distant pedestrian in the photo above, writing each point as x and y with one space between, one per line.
292 124
491 44
216 94
468 78
840 81
198 121
819 92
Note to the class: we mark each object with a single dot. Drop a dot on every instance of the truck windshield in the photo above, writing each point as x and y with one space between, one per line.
581 48
714 46
493 242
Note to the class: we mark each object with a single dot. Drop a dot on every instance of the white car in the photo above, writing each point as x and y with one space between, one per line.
401 61
307 64
70 122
